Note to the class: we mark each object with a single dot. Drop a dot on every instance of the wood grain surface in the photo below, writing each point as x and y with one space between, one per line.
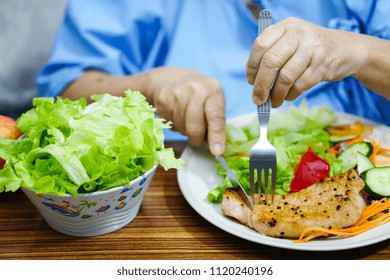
165 228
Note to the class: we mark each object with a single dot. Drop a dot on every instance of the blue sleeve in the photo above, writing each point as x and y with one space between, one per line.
365 16
378 21
99 35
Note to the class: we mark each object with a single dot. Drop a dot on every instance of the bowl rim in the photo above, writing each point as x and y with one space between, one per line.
114 189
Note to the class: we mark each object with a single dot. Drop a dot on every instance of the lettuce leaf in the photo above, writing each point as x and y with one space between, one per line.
71 147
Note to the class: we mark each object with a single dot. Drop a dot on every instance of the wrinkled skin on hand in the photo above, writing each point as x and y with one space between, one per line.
193 102
300 55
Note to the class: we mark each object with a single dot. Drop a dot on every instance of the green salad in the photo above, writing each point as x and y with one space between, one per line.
71 147
291 132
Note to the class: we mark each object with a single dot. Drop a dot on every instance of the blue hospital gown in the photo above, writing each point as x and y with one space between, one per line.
214 37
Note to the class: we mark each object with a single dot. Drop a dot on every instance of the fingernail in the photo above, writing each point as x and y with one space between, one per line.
250 80
217 149
256 100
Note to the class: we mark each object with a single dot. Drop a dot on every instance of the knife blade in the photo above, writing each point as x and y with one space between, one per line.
233 178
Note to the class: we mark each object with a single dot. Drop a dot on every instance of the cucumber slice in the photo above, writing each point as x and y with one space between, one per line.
363 163
349 155
336 138
378 181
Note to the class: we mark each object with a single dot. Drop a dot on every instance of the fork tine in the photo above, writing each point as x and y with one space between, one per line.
252 183
266 176
273 183
259 174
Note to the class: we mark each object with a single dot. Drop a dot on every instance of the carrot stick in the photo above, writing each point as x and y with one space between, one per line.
355 230
335 149
384 149
355 140
364 224
377 148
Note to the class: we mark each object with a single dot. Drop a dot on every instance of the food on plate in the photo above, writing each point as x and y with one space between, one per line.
310 147
295 132
8 130
333 203
73 148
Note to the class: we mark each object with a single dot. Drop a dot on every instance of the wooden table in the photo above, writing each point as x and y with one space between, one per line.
165 228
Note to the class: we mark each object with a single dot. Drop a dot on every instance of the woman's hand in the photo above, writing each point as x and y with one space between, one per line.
300 55
194 103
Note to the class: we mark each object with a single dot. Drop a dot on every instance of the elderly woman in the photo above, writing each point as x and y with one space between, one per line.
199 61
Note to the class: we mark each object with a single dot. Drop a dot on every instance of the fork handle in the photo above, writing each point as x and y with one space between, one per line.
263 111
263 118
264 20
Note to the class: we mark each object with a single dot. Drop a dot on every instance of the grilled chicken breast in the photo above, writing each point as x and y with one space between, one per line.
333 203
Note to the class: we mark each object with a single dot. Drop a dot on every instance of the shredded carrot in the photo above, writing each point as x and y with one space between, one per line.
377 148
373 209
335 149
355 140
374 152
373 215
384 149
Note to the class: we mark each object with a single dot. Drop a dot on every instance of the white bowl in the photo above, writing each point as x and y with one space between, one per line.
94 213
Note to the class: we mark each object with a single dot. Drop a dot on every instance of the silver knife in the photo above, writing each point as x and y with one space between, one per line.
233 178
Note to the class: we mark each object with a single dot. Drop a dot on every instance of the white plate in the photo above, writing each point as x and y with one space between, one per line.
199 176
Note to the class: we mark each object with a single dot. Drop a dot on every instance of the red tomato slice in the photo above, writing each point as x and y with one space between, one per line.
310 170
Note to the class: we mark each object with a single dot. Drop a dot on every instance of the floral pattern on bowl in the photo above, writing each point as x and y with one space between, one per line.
93 213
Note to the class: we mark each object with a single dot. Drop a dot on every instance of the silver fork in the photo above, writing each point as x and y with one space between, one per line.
262 160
